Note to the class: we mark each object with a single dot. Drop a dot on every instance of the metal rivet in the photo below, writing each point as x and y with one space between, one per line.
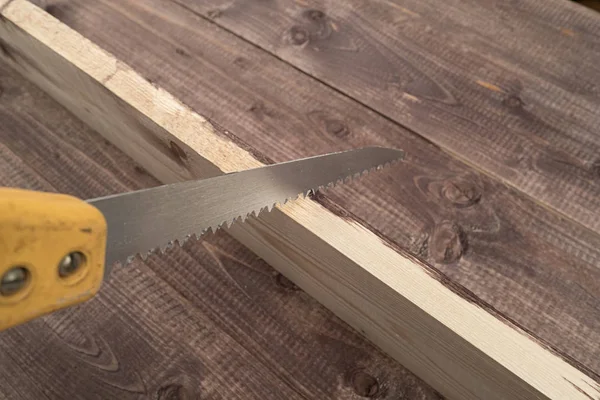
14 280
70 264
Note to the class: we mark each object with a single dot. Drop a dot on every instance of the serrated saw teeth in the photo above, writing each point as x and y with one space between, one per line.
257 212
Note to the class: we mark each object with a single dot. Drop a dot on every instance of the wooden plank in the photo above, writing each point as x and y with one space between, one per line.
397 301
511 89
209 320
533 267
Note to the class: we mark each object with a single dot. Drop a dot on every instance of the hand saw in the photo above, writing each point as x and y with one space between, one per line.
56 250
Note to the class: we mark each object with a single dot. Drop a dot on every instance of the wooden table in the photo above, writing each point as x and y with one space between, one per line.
495 103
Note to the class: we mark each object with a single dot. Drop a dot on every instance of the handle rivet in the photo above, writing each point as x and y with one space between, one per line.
13 280
70 264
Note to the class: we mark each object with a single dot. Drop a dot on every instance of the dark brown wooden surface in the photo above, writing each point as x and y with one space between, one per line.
534 266
206 321
509 87
593 4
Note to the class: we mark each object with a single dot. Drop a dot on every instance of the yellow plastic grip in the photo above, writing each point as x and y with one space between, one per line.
52 253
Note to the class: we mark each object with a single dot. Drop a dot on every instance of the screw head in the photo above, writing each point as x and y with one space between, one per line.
13 280
70 264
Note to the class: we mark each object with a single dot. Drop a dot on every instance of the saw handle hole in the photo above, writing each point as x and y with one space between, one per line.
14 281
72 267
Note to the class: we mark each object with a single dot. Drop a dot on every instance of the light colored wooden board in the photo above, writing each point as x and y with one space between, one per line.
453 343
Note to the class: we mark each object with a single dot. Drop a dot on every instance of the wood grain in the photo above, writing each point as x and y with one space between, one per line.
206 321
511 89
381 291
530 265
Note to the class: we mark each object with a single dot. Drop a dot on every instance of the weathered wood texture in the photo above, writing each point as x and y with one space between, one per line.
532 266
509 87
206 321
377 287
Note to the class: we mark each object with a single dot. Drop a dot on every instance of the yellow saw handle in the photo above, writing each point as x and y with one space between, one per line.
52 253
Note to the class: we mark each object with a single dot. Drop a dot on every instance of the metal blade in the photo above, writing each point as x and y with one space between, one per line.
140 222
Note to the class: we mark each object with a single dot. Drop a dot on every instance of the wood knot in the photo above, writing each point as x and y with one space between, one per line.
182 52
337 128
260 110
513 101
461 192
314 15
241 62
448 243
177 152
298 35
171 392
285 283
364 384
1 90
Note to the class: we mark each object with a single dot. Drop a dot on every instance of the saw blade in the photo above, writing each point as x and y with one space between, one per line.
144 221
